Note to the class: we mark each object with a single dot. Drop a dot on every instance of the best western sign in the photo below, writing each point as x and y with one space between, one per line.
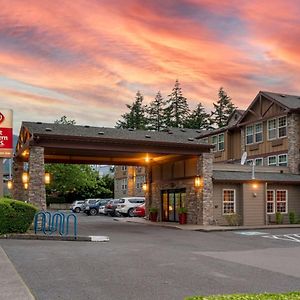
6 133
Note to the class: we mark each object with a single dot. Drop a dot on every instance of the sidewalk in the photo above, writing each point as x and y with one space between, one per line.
204 228
12 285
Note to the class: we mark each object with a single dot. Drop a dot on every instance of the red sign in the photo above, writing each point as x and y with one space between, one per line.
6 133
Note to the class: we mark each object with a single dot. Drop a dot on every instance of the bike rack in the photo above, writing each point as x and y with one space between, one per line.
58 222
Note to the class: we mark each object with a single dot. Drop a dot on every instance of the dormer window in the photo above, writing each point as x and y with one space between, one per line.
218 142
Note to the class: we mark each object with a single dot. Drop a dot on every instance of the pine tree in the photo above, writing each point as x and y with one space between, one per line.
222 110
136 117
155 110
198 119
177 110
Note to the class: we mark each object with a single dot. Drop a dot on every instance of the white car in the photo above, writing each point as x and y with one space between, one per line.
127 205
77 206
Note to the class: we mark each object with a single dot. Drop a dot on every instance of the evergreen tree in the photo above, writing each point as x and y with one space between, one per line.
222 110
155 110
177 110
136 117
65 120
198 119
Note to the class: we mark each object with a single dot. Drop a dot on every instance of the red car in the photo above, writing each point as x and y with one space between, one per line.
139 211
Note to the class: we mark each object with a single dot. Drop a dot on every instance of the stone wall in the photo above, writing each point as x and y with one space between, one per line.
18 188
293 135
36 187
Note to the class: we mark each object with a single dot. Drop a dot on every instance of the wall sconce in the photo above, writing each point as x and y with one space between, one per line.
25 177
145 187
26 186
9 184
25 153
47 178
198 182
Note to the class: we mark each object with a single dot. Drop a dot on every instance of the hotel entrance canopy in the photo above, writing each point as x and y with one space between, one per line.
64 143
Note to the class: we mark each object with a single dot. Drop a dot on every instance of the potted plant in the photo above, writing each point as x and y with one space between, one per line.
182 214
153 212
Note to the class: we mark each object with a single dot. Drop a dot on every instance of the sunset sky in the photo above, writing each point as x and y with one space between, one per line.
86 59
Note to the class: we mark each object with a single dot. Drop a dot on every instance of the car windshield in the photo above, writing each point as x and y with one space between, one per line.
121 201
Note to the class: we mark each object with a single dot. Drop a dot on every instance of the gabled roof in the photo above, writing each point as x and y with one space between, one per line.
289 101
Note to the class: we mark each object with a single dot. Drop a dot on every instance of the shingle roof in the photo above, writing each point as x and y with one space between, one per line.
173 135
290 101
239 176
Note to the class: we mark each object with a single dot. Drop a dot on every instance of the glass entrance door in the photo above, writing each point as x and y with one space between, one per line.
172 200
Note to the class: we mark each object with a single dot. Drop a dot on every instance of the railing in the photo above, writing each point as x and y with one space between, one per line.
58 222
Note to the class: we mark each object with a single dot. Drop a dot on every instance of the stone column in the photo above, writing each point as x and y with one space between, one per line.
293 136
243 144
148 192
205 195
36 187
18 188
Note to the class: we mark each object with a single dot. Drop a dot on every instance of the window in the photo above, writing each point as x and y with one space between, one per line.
254 133
281 201
282 127
249 135
221 142
272 161
259 161
228 202
249 162
258 132
272 129
204 140
214 141
218 142
140 181
123 168
270 201
124 184
282 160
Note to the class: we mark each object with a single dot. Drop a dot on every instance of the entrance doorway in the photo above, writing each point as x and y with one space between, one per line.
172 200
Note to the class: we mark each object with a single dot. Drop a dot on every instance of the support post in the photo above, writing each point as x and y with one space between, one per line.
36 187
18 188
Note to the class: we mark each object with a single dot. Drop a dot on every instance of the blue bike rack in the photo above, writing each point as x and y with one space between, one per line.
58 222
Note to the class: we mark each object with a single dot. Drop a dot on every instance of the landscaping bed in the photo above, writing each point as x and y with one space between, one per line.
285 296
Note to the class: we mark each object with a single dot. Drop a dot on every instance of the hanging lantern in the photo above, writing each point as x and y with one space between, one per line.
145 187
47 178
25 177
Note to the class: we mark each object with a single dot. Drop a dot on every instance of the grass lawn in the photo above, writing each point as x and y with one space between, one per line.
287 296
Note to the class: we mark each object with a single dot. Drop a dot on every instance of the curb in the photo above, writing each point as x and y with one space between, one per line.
55 237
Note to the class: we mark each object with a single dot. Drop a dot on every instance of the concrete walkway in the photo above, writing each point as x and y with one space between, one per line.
208 228
12 285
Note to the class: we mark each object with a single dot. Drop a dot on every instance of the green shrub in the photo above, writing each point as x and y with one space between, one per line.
153 209
57 199
292 217
233 219
285 296
182 210
15 216
279 218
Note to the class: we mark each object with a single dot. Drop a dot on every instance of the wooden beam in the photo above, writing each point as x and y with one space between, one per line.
269 107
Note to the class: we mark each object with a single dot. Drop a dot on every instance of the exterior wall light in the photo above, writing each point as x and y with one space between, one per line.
145 187
147 159
198 182
9 184
25 177
254 185
47 178
26 186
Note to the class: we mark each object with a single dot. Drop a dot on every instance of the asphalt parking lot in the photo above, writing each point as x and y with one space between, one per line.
151 262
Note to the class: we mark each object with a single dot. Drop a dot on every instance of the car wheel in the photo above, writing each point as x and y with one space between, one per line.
130 212
77 209
93 211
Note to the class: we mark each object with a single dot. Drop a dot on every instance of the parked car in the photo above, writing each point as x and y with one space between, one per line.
139 211
88 202
110 207
93 209
128 204
76 206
